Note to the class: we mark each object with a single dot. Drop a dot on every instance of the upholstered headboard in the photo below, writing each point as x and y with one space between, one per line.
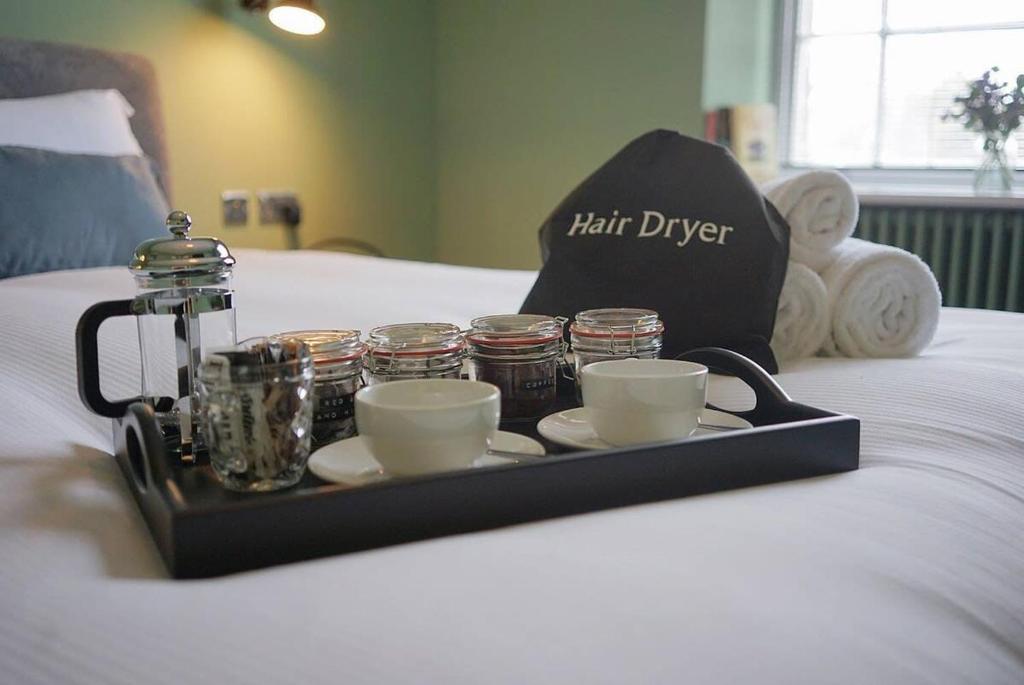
32 68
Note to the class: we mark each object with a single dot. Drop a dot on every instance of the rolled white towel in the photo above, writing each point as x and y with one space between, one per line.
802 322
884 301
821 209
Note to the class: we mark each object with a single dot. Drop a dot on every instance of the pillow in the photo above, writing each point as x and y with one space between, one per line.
61 211
91 122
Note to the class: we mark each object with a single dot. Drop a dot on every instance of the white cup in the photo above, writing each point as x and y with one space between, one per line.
633 401
423 425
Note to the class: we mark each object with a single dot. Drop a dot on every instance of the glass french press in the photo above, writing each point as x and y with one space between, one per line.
184 308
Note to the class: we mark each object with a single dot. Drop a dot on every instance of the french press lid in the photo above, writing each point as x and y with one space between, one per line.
181 259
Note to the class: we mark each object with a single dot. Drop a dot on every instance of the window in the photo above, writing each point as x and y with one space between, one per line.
867 81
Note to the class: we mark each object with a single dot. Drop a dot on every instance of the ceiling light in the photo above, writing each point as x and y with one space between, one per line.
293 16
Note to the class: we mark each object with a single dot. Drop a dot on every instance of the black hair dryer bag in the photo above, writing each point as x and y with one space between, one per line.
672 224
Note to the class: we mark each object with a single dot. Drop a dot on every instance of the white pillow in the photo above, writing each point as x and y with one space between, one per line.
92 122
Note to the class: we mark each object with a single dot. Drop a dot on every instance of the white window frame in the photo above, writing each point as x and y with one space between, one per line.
900 180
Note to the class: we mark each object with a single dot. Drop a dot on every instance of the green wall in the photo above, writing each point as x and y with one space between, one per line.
344 118
739 52
533 95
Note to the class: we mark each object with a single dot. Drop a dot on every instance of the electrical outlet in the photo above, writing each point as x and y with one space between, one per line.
278 207
235 207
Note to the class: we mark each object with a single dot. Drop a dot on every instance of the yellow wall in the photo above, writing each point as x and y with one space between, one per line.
436 129
344 118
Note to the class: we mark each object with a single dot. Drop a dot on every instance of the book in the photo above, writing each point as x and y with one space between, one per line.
750 132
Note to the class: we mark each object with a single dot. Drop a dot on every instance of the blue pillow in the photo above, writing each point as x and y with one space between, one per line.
65 211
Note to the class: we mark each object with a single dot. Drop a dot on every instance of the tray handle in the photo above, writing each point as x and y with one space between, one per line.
140 443
769 395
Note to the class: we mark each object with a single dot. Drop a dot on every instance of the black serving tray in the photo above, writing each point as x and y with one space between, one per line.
203 530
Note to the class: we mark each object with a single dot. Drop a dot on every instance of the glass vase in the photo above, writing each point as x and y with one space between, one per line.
994 174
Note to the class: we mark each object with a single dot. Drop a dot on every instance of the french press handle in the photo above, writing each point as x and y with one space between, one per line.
87 346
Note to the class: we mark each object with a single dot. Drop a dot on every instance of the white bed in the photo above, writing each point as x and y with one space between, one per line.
908 570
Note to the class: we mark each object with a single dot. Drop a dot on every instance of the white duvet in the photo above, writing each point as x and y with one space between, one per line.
908 570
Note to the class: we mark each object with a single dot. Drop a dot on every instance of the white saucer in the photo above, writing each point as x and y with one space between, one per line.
350 462
571 428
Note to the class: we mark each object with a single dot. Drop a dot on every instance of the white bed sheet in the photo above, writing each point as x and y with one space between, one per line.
908 570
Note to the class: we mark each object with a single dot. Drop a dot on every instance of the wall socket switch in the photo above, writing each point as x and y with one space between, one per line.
235 207
278 206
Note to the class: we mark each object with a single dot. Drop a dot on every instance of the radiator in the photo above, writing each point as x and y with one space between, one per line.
976 254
